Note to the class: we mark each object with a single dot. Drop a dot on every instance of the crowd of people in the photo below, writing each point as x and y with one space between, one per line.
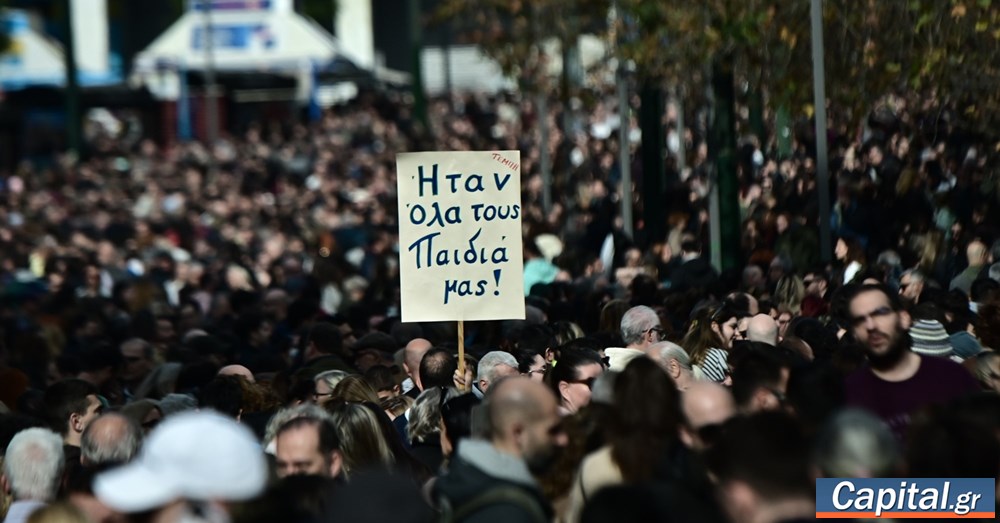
214 334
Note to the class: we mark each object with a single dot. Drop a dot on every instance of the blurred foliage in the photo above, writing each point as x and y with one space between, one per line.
512 31
928 53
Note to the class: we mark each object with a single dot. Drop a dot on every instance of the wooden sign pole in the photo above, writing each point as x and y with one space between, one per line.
461 352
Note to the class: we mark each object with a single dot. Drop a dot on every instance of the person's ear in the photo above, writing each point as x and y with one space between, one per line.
517 431
675 369
563 387
905 320
760 400
740 499
76 422
336 463
687 438
4 484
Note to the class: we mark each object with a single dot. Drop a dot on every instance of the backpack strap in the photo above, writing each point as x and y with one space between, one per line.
498 495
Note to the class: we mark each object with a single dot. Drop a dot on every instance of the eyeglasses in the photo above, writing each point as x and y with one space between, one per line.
318 395
880 312
657 330
543 370
589 382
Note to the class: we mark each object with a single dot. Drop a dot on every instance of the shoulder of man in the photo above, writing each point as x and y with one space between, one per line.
468 493
948 374
501 503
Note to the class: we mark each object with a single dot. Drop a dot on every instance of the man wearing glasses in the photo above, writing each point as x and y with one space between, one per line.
897 381
815 302
641 329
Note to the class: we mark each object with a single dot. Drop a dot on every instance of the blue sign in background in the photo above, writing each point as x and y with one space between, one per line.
955 498
232 36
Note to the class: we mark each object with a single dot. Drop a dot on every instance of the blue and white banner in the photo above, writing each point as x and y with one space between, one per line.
902 498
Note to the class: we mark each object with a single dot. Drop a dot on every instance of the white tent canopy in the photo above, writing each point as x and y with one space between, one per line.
265 36
243 41
34 58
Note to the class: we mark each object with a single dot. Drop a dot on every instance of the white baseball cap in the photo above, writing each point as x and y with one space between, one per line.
192 455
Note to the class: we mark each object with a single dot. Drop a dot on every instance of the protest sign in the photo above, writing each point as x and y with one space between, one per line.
460 235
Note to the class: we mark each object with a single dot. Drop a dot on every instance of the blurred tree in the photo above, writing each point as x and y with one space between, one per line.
925 55
519 34
942 53
928 54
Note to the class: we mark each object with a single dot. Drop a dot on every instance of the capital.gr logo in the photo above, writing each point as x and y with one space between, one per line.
901 498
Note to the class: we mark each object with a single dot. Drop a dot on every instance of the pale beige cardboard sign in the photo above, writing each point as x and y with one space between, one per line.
460 235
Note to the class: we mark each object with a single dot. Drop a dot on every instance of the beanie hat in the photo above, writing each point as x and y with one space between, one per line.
930 338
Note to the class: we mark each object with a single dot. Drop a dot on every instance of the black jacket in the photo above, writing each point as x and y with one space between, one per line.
484 485
694 274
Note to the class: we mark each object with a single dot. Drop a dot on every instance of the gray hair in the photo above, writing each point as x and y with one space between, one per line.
487 369
283 416
148 351
984 369
603 392
34 464
636 323
889 258
111 438
784 262
856 444
331 377
994 272
916 275
425 416
664 351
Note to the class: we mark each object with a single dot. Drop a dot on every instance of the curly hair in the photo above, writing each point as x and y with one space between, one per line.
258 397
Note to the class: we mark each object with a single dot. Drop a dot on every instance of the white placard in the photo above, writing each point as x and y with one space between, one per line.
460 235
